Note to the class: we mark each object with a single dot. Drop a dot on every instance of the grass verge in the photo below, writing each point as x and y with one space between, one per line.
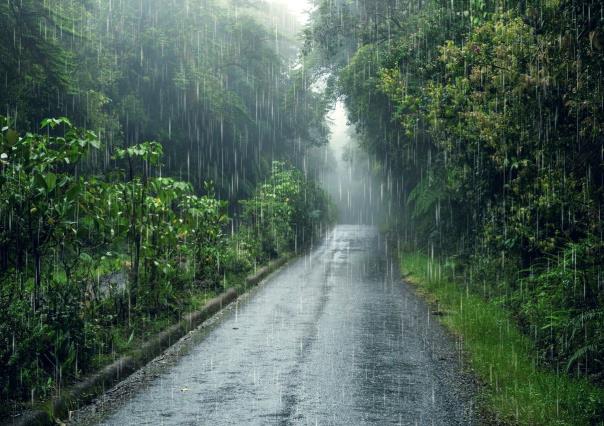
517 390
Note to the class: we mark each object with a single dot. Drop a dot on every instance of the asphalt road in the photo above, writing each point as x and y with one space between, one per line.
333 338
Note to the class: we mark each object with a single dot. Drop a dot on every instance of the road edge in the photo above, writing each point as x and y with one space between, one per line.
96 384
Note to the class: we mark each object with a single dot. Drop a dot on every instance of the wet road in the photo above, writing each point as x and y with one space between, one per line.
333 338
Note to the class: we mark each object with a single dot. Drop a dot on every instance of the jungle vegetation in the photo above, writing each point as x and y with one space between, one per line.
487 119
173 176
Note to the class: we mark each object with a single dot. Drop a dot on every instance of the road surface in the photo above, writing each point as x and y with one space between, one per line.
333 338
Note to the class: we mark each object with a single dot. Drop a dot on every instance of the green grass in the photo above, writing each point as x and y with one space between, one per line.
516 390
124 338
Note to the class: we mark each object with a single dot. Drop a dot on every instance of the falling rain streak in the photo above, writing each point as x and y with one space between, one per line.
156 153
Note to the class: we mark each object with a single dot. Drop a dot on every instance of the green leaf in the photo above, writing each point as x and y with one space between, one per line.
50 122
39 181
73 193
12 136
66 121
51 181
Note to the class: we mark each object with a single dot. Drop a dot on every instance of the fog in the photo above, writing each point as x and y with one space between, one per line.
349 175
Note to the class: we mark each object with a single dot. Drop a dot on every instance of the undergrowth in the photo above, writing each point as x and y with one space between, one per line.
517 389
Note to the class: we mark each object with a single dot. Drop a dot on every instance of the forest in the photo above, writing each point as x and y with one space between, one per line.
487 120
148 159
155 153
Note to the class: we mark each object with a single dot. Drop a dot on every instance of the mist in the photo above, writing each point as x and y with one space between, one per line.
349 175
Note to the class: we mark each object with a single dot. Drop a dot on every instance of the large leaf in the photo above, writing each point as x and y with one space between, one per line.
51 181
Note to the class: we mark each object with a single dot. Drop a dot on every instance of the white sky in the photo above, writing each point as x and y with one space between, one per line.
299 7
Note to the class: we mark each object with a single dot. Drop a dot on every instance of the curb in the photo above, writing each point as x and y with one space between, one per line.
85 391
263 272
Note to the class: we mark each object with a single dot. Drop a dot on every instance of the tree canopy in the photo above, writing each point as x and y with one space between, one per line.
209 80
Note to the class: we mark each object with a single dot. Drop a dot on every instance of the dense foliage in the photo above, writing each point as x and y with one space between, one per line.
205 78
489 115
87 259
284 209
105 236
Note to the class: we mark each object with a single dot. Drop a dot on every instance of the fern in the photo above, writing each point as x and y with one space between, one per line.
596 317
425 196
580 353
578 322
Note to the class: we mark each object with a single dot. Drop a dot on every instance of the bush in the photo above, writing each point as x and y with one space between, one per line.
560 304
287 212
64 235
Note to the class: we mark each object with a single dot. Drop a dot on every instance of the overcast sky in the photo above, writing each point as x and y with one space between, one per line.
299 7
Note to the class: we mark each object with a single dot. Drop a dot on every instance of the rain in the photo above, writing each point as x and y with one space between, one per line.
301 212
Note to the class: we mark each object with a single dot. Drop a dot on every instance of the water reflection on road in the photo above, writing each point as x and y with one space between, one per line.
333 338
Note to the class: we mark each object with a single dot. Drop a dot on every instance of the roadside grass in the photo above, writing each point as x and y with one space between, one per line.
517 390
125 338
